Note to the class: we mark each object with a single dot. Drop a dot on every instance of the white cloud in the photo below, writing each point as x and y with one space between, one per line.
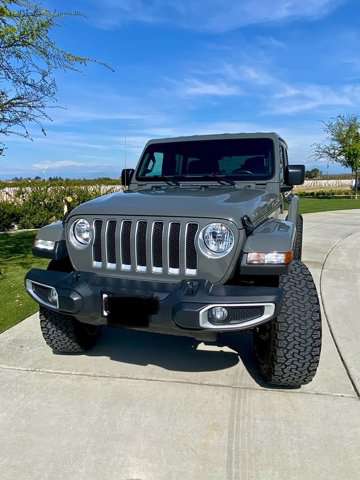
210 15
78 114
195 87
272 94
102 103
54 165
270 42
77 142
251 75
295 99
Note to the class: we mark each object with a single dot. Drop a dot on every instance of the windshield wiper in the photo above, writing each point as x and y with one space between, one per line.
172 181
222 179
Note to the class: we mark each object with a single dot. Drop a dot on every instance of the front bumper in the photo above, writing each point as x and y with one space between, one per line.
176 308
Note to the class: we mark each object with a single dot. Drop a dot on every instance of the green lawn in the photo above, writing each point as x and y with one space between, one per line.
312 205
15 260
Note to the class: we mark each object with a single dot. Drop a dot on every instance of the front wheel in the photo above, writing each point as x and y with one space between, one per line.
64 334
288 347
298 238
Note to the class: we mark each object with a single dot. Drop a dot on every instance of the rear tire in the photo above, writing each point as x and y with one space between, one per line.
288 347
64 334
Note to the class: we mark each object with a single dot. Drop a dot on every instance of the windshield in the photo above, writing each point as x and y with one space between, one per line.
235 159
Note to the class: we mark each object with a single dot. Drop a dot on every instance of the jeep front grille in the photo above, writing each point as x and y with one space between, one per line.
158 247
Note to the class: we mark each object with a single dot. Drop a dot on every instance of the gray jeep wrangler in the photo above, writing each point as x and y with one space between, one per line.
204 241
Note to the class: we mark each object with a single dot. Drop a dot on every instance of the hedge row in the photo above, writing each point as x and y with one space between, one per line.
58 182
42 205
328 193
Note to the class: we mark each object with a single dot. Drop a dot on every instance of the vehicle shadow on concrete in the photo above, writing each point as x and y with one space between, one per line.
242 344
182 354
167 351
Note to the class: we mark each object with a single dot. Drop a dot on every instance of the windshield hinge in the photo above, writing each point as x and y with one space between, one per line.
248 224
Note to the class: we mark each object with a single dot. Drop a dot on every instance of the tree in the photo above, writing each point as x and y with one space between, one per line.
313 173
28 60
343 147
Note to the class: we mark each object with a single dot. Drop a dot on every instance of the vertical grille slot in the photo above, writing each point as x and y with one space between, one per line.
110 244
174 248
97 255
156 247
125 245
190 250
141 229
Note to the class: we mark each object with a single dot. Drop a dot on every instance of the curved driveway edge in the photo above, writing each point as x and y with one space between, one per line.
332 251
340 291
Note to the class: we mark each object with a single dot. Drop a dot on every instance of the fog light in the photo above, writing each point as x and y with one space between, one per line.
43 294
217 314
53 297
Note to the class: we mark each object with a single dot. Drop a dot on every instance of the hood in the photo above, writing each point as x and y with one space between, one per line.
213 203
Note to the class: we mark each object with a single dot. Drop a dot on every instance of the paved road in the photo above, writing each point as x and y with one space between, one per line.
148 407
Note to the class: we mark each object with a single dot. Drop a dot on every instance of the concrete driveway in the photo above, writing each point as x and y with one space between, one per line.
148 407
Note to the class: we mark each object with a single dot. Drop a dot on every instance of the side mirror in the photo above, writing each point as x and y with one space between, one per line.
295 175
126 176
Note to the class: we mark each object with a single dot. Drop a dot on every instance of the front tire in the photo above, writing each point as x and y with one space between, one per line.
64 334
299 238
288 348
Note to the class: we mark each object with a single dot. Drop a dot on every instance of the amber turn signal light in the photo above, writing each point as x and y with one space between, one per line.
271 258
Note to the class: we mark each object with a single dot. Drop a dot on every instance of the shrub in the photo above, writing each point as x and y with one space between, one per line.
326 193
59 182
9 216
43 204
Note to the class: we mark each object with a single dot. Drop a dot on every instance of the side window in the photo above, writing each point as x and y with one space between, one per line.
158 164
153 165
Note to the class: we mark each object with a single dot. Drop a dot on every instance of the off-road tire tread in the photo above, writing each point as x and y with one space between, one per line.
294 338
64 334
299 238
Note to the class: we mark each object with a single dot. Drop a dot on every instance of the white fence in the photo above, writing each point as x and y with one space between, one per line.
314 184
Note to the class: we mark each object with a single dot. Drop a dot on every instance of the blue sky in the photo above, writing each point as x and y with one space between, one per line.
194 67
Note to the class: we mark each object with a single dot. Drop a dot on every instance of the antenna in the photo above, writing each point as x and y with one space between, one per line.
125 161
125 152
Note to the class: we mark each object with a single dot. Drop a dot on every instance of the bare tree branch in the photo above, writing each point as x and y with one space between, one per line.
28 60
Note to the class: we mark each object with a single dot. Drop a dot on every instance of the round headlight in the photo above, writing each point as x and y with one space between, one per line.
82 232
218 240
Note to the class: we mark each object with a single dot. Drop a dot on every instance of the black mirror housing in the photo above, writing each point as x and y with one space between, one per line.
126 176
295 175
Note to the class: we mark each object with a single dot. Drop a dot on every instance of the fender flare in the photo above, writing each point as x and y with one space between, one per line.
55 233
